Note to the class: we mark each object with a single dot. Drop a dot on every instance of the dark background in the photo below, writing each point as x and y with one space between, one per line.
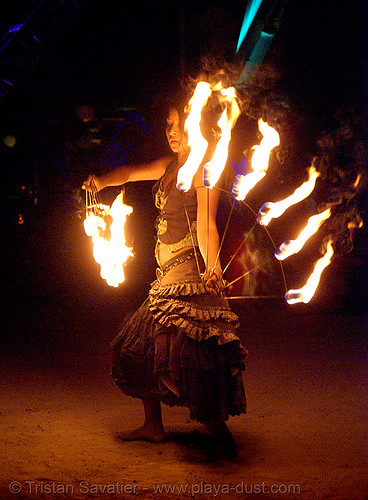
120 58
307 365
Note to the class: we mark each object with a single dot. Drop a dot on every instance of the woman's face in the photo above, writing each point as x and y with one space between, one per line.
173 130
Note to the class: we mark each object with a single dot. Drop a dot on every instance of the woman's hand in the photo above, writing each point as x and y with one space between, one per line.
92 184
213 280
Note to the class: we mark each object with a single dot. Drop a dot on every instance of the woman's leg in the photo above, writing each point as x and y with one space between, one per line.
170 384
223 442
152 429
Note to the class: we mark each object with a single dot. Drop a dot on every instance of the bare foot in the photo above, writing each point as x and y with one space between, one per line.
223 443
213 452
144 433
223 450
204 448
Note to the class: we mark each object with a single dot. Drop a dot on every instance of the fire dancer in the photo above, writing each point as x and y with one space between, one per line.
181 347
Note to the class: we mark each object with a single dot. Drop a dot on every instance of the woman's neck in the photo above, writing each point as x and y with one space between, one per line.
182 157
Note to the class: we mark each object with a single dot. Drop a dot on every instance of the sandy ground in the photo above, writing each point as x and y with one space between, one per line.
305 434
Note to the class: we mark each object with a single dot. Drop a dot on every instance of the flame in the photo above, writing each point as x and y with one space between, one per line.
355 225
306 293
357 180
291 247
213 169
270 210
196 142
108 238
244 183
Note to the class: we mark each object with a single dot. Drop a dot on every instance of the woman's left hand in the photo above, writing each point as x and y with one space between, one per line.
213 280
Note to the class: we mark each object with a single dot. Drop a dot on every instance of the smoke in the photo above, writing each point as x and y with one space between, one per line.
326 129
341 160
330 136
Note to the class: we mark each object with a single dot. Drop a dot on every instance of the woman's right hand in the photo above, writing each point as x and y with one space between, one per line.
93 183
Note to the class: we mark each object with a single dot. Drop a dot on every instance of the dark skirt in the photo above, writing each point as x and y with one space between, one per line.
190 335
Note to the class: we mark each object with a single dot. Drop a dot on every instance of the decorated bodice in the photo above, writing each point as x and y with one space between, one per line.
177 209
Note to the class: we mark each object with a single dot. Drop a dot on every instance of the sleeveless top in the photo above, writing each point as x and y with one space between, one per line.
174 205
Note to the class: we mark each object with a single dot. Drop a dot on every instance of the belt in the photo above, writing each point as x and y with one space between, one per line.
170 264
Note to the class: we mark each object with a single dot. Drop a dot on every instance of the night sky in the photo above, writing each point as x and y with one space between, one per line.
116 54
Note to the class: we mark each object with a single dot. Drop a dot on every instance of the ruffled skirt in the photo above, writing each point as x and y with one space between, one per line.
184 332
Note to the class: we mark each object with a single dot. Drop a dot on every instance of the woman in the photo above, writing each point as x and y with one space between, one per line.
180 347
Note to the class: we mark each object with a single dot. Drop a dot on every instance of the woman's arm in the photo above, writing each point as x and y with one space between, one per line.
129 173
207 233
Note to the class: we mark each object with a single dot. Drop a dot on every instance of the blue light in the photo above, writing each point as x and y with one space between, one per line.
250 14
256 57
15 27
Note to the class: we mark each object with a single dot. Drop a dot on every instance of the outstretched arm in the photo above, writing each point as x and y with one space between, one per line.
128 173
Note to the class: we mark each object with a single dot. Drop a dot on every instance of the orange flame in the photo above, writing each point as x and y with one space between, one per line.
244 183
197 143
291 247
270 210
357 180
306 293
213 169
355 225
109 248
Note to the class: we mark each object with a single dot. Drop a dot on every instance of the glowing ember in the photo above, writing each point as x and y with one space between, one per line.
306 293
355 225
213 169
270 210
198 144
356 183
291 247
244 183
106 227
